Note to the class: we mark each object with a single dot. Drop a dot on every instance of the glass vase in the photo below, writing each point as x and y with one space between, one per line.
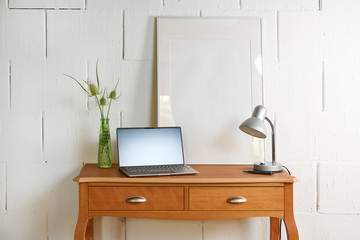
104 150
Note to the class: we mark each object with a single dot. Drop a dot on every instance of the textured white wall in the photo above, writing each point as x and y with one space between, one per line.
48 128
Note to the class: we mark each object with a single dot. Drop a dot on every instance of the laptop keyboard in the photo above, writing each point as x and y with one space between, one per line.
158 168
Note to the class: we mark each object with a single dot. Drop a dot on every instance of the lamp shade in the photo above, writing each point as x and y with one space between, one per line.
255 125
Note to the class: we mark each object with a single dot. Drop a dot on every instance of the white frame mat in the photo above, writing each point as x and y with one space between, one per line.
209 81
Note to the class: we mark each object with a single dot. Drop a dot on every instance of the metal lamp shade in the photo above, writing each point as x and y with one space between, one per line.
255 125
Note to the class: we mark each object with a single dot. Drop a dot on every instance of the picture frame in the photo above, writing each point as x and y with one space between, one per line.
209 80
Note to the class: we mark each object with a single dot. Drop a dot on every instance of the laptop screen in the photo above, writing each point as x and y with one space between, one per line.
149 146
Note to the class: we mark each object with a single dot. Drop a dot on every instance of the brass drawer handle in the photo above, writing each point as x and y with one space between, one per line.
136 199
236 199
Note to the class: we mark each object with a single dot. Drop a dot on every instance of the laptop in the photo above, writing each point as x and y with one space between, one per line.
151 151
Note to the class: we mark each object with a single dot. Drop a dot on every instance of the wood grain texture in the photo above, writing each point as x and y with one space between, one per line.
103 192
136 184
90 230
157 198
258 198
187 215
83 218
275 228
289 220
207 174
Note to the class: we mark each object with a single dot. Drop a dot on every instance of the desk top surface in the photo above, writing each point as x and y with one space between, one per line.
90 173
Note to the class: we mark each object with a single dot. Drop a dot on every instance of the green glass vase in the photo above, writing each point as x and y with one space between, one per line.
104 150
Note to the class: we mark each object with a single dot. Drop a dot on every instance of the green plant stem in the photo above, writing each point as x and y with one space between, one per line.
107 116
98 103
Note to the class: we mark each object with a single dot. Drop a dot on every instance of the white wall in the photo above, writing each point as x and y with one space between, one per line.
47 128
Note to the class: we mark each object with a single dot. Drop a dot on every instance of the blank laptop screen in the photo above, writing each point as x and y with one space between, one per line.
149 146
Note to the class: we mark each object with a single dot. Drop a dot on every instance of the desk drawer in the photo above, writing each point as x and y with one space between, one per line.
136 198
257 198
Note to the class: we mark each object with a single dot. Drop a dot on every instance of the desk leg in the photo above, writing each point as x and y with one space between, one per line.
90 230
291 229
80 230
289 220
84 230
274 228
83 222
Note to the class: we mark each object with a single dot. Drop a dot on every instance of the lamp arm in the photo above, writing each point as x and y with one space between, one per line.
272 138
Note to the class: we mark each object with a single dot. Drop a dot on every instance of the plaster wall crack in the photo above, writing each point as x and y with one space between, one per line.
202 230
120 119
277 37
323 97
6 187
123 34
43 135
317 187
87 99
46 34
47 226
9 86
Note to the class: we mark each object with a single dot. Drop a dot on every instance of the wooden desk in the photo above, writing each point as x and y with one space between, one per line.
217 192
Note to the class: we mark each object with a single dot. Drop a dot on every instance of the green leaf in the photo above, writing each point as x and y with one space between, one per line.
97 74
78 83
88 84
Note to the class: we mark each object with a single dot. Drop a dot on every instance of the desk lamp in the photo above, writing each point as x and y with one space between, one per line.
255 126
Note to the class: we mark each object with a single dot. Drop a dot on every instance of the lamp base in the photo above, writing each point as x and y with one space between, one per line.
268 166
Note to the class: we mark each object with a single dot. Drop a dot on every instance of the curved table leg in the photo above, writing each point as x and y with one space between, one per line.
274 228
83 219
90 230
80 230
291 229
289 220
